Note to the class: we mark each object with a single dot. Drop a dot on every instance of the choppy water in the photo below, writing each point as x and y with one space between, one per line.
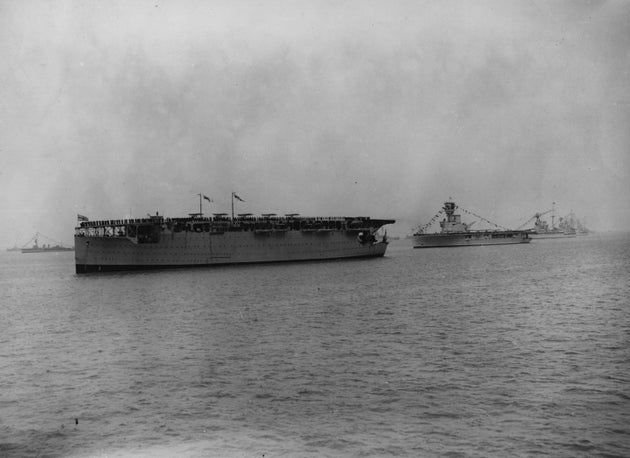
505 351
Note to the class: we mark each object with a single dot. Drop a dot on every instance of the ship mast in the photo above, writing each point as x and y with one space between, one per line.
235 196
202 196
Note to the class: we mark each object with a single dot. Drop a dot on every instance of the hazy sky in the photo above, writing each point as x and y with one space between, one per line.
381 108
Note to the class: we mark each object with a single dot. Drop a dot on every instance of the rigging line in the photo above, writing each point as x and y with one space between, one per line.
39 235
426 225
482 218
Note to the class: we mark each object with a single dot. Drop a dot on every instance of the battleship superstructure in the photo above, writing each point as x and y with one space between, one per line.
542 229
158 242
456 233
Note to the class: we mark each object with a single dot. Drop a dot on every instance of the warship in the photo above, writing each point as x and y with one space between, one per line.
572 225
542 229
45 247
455 233
158 242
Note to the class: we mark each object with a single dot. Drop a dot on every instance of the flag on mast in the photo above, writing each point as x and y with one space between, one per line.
207 198
82 218
237 197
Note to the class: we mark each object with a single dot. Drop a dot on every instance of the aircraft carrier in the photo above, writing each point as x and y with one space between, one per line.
157 242
455 233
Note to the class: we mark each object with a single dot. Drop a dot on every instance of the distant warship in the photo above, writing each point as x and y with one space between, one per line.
44 248
542 229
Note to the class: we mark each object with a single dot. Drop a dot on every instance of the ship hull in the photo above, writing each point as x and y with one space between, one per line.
190 249
45 250
469 239
551 235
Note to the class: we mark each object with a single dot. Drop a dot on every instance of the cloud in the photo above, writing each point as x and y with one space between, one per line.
351 108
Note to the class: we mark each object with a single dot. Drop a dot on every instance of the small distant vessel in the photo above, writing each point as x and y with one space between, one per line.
542 229
572 224
45 248
455 233
582 229
157 242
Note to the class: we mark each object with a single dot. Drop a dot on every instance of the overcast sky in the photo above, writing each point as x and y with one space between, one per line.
381 108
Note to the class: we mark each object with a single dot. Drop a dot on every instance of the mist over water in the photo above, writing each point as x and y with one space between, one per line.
477 351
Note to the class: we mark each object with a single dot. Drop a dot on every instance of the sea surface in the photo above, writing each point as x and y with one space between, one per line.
504 351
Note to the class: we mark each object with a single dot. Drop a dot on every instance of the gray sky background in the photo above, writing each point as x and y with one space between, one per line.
381 108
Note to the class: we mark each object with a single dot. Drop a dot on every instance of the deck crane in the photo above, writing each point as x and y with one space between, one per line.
535 217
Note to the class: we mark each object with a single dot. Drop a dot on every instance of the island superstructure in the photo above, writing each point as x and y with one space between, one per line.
159 242
455 233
